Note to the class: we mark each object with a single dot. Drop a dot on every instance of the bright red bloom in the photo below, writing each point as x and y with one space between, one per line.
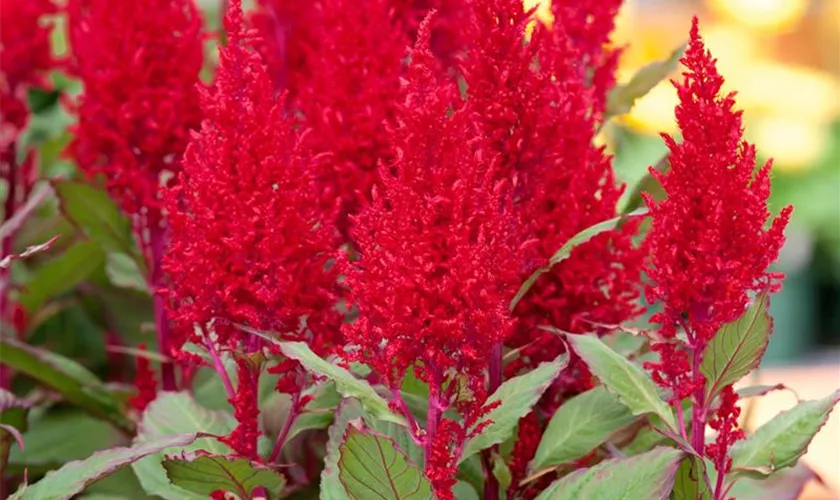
438 259
350 95
289 38
248 242
437 244
246 409
139 61
709 247
25 59
708 242
540 121
447 37
725 422
581 38
144 382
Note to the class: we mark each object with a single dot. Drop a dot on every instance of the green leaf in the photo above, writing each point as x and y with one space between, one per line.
13 423
690 483
74 477
649 476
780 442
331 488
93 211
49 444
371 466
785 484
346 384
123 272
204 473
73 381
176 413
737 348
622 97
632 385
646 184
516 397
580 425
61 274
464 491
566 250
318 413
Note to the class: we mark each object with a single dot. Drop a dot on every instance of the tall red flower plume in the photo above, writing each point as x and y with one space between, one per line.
437 251
249 245
139 61
708 241
351 93
581 38
25 59
710 247
540 121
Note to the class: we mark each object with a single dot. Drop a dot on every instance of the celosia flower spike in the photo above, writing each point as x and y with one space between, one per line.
427 293
710 247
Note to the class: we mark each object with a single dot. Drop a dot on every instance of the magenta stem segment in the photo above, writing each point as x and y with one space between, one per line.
294 412
434 413
412 422
167 368
219 367
491 484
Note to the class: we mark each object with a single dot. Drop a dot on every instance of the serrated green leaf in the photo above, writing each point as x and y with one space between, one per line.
176 413
780 442
204 473
737 348
93 211
61 274
516 397
74 477
331 488
73 381
372 466
649 476
691 481
622 97
580 425
566 250
346 384
627 380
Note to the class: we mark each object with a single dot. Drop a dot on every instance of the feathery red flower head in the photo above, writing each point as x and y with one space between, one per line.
139 61
249 244
437 249
708 241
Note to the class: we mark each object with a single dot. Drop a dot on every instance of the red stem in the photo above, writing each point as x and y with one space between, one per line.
294 412
161 321
434 413
219 367
491 484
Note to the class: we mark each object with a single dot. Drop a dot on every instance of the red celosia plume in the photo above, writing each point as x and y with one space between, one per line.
145 383
710 247
139 62
249 242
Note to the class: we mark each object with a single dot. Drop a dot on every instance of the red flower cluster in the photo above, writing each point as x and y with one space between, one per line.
350 94
541 120
708 242
139 62
249 244
25 59
145 383
438 250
